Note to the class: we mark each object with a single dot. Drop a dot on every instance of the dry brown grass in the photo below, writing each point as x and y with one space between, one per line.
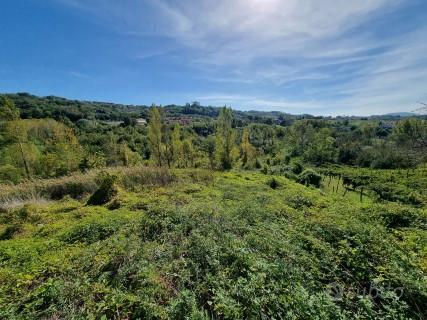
11 202
133 178
74 185
78 185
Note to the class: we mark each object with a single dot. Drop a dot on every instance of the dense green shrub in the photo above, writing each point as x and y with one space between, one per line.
106 191
400 216
392 192
9 174
10 231
297 168
89 232
273 183
310 177
299 201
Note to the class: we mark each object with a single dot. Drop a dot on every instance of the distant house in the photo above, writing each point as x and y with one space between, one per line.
182 120
141 122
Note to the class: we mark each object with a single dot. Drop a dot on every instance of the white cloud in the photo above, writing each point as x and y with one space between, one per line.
278 42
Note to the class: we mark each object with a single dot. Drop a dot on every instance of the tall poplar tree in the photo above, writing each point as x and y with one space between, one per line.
224 139
247 151
176 145
155 135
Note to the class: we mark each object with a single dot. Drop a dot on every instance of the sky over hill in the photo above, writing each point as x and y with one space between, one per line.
322 57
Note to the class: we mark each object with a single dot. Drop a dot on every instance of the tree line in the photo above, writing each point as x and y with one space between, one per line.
171 147
42 148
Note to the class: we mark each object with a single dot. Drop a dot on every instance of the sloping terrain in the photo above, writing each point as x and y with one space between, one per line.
199 245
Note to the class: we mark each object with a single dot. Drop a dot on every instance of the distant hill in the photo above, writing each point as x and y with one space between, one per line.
32 106
401 114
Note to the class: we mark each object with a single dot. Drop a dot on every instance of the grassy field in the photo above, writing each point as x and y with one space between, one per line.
202 245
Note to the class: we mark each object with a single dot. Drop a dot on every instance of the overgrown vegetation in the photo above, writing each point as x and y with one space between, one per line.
221 215
236 248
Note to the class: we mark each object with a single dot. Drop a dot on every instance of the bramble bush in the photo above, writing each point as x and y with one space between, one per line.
235 249
310 177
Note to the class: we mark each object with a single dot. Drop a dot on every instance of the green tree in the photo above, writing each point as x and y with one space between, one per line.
127 156
208 147
321 148
167 145
155 134
225 139
129 122
20 149
176 145
247 151
411 133
263 138
41 147
8 110
299 136
188 152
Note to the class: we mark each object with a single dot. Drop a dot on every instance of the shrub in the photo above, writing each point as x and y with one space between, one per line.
89 232
10 231
75 189
135 177
27 213
106 191
392 192
156 221
201 176
264 169
299 202
9 173
185 307
114 204
310 177
273 183
297 168
400 216
290 176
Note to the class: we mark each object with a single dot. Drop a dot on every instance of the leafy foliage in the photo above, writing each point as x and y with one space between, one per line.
106 191
144 231
229 250
310 177
8 110
224 139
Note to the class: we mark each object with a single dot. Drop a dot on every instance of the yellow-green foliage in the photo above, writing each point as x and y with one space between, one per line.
204 246
38 148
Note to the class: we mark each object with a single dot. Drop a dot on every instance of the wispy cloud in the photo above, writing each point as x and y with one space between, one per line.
79 74
331 49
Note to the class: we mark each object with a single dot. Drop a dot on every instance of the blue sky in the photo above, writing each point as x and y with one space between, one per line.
330 57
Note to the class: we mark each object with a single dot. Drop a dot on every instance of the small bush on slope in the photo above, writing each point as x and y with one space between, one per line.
106 191
310 177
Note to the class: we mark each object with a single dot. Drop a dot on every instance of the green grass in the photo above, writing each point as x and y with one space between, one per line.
226 246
